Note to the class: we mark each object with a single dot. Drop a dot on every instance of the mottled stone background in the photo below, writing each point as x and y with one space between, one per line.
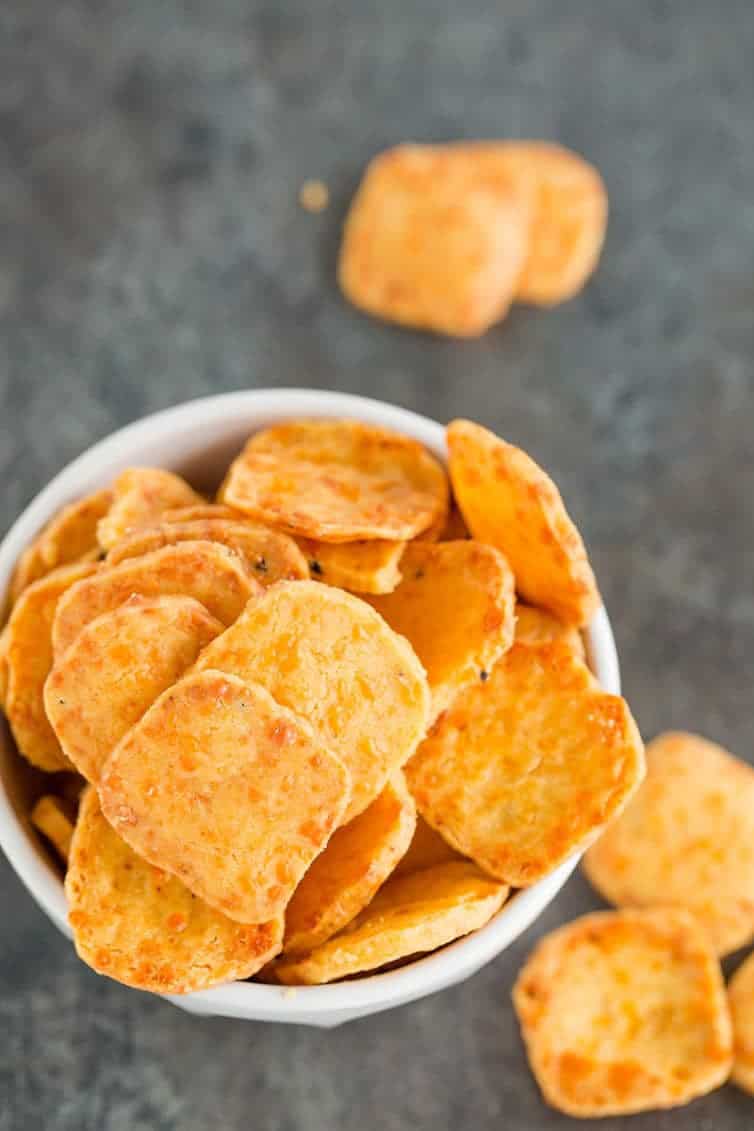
152 250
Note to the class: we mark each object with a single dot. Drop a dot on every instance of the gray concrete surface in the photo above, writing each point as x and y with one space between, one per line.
152 250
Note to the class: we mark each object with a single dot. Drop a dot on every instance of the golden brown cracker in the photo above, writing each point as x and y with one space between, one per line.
357 861
536 626
624 1012
70 536
228 791
362 567
337 481
741 1000
427 849
410 914
528 765
141 926
28 656
52 817
436 239
200 512
140 496
508 501
330 658
686 839
455 606
269 555
210 573
568 223
115 669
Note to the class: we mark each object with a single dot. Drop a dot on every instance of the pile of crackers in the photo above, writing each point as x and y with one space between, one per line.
627 1010
320 732
446 238
329 721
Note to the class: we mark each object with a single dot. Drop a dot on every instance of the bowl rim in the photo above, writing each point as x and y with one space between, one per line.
183 426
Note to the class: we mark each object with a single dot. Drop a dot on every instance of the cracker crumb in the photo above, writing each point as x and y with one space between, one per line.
290 992
314 196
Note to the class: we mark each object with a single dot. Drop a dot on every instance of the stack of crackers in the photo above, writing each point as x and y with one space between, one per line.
446 237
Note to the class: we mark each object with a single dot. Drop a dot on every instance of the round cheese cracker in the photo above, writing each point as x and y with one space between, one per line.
535 626
69 537
568 223
140 496
140 926
362 567
116 668
455 606
436 238
686 839
529 765
269 555
330 658
28 656
624 1012
337 481
228 791
357 861
741 1000
409 915
210 573
508 501
52 817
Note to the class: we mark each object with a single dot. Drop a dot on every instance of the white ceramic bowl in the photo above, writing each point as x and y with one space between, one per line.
199 439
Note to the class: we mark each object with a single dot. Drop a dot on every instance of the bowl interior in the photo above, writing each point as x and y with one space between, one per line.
198 440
